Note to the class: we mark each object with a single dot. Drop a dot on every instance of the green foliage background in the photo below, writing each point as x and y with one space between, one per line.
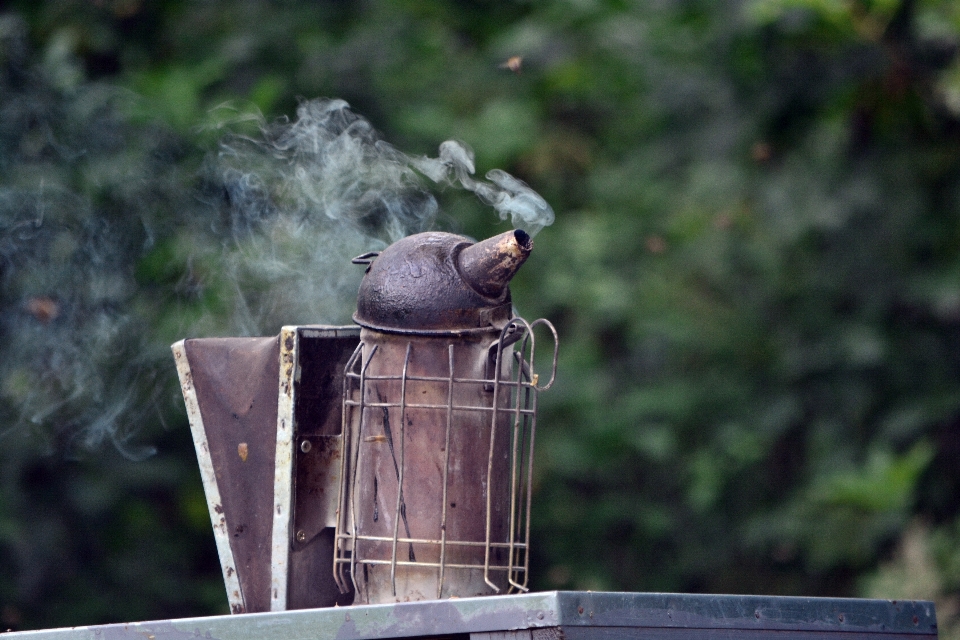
755 272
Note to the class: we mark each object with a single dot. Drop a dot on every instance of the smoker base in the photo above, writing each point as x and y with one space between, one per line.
569 615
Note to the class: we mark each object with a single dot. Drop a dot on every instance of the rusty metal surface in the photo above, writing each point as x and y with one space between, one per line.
438 452
282 511
489 265
571 615
322 355
422 469
416 285
235 381
208 476
306 480
256 401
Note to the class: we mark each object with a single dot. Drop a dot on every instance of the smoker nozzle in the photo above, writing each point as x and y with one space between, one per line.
489 265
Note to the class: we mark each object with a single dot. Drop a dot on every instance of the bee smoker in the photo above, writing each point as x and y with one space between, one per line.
439 412
389 461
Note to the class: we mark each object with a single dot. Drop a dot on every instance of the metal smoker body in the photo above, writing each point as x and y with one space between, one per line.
305 439
439 417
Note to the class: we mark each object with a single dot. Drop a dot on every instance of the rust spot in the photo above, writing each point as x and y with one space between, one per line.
238 530
229 571
380 438
218 508
288 342
236 608
243 451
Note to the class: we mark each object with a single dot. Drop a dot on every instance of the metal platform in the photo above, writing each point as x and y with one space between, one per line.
570 615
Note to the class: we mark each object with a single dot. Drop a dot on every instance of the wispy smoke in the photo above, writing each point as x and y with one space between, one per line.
111 248
80 203
301 198
510 196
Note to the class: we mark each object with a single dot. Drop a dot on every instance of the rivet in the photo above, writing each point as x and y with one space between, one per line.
305 446
301 535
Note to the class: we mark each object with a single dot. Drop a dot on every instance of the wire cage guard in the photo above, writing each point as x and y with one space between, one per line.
437 454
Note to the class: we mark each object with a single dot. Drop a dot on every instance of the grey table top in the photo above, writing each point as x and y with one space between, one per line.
554 614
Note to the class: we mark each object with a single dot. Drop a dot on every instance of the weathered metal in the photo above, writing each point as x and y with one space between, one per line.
411 436
282 512
251 403
440 282
234 382
443 387
573 615
439 419
208 476
489 265
322 354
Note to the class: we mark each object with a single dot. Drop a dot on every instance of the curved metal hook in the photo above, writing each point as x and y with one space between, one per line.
366 258
556 350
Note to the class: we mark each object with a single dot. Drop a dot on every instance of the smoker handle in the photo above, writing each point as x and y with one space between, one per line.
366 258
556 351
511 337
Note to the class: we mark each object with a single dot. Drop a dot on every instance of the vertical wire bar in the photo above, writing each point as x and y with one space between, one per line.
493 434
531 400
446 469
519 420
397 514
338 576
532 397
356 460
513 475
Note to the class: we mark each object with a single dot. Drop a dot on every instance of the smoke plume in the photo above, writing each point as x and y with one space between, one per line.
510 196
301 198
113 245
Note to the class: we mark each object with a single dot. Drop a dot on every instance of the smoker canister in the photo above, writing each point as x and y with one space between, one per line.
439 408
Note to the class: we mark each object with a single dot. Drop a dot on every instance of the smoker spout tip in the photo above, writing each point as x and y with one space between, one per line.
523 239
489 265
